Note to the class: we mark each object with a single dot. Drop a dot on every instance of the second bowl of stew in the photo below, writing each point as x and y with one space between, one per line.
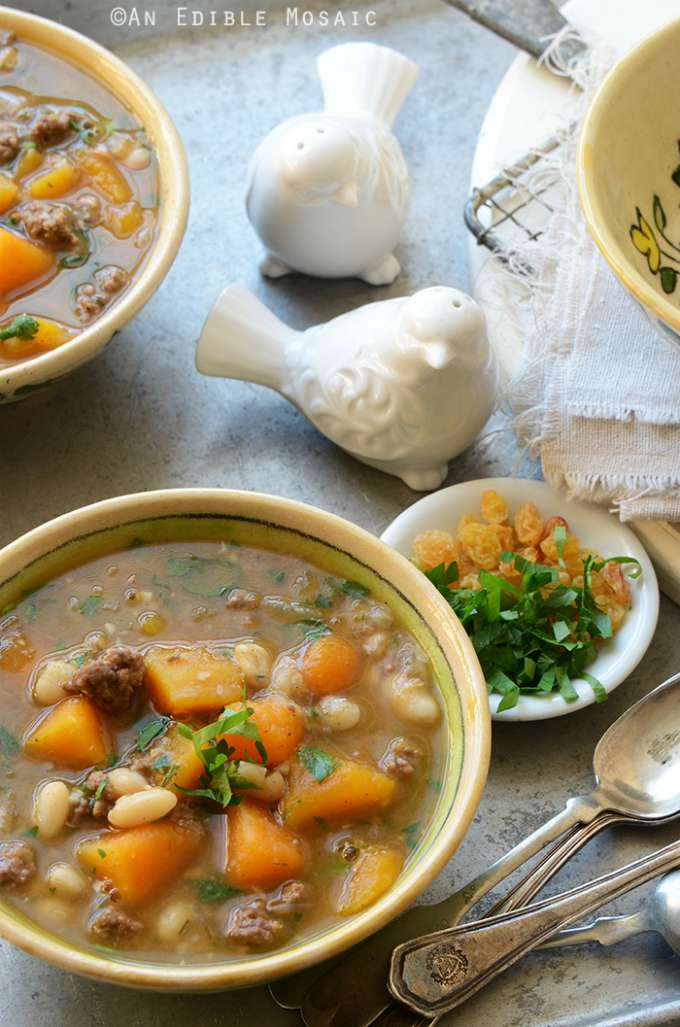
238 734
93 199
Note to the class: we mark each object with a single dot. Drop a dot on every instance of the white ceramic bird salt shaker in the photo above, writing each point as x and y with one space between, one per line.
403 385
327 192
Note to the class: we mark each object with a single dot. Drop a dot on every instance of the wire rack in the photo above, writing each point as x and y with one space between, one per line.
508 211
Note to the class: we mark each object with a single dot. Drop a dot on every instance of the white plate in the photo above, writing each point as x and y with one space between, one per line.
620 655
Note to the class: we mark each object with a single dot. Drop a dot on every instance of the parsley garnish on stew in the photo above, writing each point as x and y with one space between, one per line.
22 327
318 762
535 637
221 776
212 889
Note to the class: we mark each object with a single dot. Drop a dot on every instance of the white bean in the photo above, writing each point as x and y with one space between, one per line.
124 781
52 909
172 920
412 700
287 679
66 881
255 661
337 713
51 809
142 807
253 773
49 684
271 789
137 159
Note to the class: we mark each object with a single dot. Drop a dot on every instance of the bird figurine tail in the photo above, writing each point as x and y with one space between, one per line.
241 338
364 79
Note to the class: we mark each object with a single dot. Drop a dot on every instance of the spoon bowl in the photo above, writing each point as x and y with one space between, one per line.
664 911
637 760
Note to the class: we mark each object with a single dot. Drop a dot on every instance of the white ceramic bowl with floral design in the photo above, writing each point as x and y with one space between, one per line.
629 175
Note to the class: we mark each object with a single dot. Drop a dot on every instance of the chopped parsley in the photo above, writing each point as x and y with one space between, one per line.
9 745
221 777
213 889
410 833
312 628
21 327
318 762
90 606
150 731
354 588
538 636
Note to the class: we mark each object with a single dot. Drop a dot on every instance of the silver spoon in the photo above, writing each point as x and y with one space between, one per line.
436 973
637 772
661 914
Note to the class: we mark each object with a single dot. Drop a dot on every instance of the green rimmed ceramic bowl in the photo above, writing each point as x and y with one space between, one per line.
345 550
628 175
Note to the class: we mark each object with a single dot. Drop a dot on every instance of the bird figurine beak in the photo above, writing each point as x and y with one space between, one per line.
347 194
437 355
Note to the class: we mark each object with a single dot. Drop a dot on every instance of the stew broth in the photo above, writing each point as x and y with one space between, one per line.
101 838
78 200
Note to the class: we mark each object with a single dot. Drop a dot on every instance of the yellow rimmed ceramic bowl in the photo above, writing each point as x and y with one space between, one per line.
20 380
629 175
345 550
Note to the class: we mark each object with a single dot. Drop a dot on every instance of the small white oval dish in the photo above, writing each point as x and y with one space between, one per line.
595 528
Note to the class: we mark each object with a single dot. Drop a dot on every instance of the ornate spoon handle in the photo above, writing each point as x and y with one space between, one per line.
439 971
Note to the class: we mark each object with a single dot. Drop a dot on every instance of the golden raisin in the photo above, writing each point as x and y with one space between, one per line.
434 547
481 544
494 508
529 524
570 550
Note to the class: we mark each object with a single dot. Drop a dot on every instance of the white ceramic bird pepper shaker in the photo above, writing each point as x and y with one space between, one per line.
327 192
403 385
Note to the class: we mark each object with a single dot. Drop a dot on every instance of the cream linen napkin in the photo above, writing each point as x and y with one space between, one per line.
600 396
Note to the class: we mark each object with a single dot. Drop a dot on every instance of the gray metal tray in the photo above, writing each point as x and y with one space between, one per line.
140 417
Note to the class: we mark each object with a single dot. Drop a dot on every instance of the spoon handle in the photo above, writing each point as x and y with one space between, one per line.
606 930
553 861
434 973
577 811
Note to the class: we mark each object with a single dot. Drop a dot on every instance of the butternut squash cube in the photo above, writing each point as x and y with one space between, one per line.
21 262
280 725
105 176
186 681
70 734
48 336
9 191
58 181
368 877
124 223
260 852
352 791
141 861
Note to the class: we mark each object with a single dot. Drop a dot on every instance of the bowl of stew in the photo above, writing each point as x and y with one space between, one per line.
238 735
93 199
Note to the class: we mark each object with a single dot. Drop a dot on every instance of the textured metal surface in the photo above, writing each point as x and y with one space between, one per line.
140 417
527 24
436 973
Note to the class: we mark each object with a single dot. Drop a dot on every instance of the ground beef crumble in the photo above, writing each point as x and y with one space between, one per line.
113 924
402 758
49 223
51 127
17 862
9 142
251 925
112 679
261 921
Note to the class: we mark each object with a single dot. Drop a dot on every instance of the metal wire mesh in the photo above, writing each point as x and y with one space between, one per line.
508 211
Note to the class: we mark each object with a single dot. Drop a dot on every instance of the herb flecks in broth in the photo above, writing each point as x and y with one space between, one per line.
78 201
257 768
